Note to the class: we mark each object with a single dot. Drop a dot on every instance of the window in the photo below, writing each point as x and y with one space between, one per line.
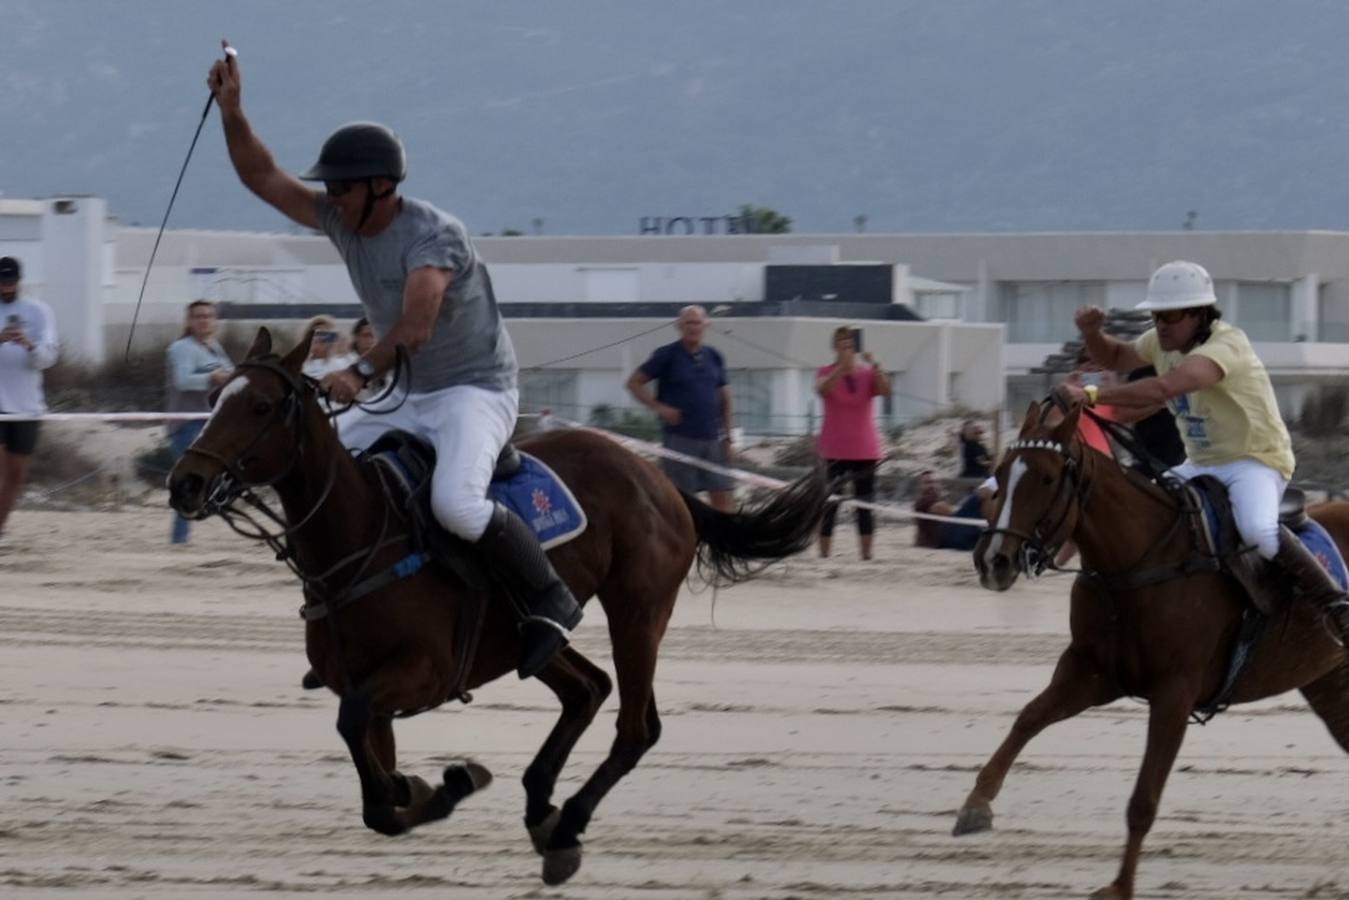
548 389
1041 312
752 400
1264 310
938 304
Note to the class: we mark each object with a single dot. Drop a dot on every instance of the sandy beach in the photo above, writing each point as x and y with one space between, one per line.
818 739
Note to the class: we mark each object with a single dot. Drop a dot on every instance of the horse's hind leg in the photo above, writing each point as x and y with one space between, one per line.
1329 699
1077 684
582 687
635 642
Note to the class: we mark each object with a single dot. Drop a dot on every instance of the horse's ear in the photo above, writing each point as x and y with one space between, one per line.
1068 427
262 344
294 360
1032 417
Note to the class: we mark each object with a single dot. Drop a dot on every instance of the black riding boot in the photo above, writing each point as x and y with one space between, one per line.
517 560
1314 584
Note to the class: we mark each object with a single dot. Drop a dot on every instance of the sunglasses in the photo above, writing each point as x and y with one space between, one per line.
1169 316
338 188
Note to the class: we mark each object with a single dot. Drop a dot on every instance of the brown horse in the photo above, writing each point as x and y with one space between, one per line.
401 649
1168 641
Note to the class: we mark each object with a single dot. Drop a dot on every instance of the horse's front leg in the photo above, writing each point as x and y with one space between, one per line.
1077 684
415 801
1168 718
354 721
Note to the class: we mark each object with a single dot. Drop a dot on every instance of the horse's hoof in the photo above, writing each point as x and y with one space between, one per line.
384 821
542 833
972 820
559 865
465 779
1111 892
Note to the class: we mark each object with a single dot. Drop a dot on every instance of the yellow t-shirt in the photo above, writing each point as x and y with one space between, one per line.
1237 418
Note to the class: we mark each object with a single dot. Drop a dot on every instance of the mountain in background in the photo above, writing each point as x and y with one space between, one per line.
922 116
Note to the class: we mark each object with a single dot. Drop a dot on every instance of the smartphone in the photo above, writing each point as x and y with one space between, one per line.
857 340
325 337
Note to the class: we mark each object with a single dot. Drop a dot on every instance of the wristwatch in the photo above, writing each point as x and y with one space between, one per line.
364 369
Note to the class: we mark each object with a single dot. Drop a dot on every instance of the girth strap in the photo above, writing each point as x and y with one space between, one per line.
405 568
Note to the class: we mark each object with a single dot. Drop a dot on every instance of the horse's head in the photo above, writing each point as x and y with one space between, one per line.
1039 486
253 436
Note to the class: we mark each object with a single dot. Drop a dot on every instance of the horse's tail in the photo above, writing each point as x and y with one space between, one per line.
735 546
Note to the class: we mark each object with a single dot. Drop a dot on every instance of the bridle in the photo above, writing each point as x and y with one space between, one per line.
236 500
231 486
1072 488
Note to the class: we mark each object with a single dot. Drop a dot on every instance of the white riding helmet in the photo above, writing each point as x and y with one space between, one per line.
1179 285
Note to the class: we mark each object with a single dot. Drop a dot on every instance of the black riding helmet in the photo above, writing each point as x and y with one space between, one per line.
361 151
358 151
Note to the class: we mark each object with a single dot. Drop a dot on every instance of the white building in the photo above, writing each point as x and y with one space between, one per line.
995 304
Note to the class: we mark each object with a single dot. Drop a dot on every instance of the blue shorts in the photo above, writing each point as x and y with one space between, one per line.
693 479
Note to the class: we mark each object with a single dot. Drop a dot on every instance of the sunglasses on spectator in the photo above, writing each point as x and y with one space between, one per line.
338 188
1169 316
325 337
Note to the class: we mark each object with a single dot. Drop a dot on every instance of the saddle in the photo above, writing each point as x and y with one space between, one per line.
520 481
1218 537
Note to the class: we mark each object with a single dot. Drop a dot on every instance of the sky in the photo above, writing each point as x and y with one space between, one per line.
959 115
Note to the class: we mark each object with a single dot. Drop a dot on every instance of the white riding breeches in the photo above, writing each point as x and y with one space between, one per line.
468 426
1255 491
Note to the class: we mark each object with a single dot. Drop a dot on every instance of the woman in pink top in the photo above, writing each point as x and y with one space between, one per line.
848 440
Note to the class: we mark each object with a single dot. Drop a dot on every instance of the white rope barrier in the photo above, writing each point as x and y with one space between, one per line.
635 444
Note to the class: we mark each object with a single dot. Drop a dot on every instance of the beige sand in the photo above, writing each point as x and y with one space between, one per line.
817 743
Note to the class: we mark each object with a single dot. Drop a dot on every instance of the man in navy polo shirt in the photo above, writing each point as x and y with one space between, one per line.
694 405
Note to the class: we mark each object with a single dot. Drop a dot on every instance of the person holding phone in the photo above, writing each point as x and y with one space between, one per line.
197 365
324 354
849 441
27 347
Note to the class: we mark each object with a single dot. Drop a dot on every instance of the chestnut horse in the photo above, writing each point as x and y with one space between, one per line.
402 648
1168 641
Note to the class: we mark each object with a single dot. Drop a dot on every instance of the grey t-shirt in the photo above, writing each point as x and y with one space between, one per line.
469 343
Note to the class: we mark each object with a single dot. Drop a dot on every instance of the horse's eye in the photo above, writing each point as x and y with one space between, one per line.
262 407
1047 480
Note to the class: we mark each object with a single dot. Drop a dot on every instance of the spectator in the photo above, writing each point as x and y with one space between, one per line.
197 365
694 406
325 357
1157 432
950 535
27 346
849 442
974 458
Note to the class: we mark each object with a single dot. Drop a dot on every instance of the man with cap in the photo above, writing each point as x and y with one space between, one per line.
1220 394
424 287
27 346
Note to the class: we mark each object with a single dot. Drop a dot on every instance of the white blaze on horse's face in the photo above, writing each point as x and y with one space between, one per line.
238 385
1005 514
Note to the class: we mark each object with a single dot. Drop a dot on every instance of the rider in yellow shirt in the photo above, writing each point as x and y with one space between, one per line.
1210 379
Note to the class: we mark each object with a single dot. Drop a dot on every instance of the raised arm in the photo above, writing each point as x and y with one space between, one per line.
1104 350
252 160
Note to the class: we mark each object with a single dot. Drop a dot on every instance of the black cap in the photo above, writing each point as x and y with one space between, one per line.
10 270
357 151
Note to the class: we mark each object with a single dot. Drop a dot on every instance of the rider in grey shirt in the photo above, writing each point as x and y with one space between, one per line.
424 288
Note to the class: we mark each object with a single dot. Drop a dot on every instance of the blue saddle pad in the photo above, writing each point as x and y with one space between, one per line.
1313 536
1316 539
538 496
